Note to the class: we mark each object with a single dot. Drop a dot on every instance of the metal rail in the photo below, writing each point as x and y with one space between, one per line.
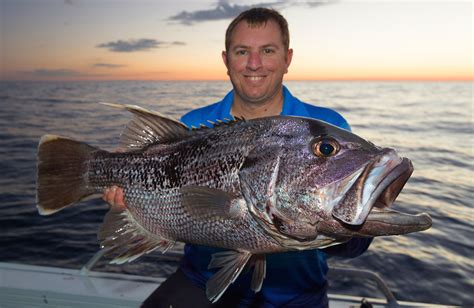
338 272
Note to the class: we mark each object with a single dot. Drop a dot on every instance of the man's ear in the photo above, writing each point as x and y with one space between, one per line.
289 57
226 62
224 57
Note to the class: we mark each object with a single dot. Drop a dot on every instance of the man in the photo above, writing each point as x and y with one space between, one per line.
257 56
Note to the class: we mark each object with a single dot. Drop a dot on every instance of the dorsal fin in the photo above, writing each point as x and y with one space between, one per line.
148 127
218 122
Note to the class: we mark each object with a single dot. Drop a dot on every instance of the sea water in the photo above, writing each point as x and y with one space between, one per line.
431 123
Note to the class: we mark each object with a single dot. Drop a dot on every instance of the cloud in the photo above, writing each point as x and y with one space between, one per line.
316 3
136 45
223 10
131 45
108 65
43 72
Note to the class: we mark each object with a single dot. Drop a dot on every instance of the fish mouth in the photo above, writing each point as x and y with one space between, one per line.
385 221
365 208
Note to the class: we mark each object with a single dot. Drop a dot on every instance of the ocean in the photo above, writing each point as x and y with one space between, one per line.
431 123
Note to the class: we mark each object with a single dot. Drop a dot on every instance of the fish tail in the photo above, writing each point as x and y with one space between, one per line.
62 173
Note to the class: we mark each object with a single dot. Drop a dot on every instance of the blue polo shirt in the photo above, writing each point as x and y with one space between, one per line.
291 106
293 279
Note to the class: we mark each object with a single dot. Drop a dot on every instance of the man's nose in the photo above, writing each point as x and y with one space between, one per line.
254 61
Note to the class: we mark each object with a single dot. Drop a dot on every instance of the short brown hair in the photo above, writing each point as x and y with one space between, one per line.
256 17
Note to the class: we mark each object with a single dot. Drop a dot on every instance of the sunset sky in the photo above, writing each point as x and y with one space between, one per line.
183 40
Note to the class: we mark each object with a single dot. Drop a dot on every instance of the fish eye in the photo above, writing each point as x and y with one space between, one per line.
325 147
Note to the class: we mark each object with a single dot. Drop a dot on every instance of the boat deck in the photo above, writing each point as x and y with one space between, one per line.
40 286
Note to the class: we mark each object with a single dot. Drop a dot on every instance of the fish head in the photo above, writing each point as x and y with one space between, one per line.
330 183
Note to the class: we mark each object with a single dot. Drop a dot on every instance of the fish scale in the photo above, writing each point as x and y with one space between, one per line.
162 213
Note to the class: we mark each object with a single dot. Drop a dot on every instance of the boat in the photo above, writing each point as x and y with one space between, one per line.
26 286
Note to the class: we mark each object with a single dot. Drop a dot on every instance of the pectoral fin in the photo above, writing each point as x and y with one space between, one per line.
209 203
125 239
232 263
259 272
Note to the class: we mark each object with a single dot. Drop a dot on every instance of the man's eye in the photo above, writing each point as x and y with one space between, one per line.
268 51
241 52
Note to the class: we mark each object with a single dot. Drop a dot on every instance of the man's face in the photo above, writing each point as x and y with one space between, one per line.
256 61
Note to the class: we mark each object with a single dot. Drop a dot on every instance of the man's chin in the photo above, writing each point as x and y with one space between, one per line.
256 100
256 95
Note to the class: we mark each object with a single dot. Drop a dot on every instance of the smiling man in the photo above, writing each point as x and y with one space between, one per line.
257 56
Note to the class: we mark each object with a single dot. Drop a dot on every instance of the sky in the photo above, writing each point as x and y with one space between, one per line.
183 40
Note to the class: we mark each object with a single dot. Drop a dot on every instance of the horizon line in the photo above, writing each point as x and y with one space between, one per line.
453 79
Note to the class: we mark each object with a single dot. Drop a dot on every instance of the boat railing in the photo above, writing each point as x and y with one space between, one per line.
340 272
333 273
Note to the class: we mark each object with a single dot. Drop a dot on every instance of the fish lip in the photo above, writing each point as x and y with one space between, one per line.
381 222
385 221
391 185
378 185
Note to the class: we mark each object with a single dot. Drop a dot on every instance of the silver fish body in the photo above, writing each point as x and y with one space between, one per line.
254 187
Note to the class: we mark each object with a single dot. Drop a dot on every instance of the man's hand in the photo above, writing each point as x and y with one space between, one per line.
114 197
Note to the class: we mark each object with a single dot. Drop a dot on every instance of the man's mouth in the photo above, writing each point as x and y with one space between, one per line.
255 78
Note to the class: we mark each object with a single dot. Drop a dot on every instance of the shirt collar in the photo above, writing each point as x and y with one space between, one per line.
288 102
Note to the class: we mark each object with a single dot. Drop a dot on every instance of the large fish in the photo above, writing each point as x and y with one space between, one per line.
253 187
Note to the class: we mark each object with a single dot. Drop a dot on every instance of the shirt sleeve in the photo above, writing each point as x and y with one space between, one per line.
191 118
351 249
345 125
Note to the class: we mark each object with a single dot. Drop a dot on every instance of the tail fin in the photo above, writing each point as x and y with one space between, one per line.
62 173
